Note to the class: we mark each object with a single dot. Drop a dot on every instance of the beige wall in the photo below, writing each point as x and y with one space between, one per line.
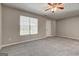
68 28
11 33
0 25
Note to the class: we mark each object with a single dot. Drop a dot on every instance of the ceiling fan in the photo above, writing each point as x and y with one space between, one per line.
55 6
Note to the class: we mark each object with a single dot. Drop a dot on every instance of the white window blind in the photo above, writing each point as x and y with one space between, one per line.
33 26
28 25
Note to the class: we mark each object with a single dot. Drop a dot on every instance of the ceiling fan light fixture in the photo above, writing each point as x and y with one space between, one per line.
55 6
53 10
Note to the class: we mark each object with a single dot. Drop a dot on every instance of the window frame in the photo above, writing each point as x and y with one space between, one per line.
29 32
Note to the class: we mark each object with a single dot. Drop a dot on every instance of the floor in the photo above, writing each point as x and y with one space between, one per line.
52 46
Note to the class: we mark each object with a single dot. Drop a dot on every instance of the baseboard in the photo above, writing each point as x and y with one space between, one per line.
67 37
21 42
50 35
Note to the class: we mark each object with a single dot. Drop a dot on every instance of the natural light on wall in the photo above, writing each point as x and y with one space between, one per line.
28 25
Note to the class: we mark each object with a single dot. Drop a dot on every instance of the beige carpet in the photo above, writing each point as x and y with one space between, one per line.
53 46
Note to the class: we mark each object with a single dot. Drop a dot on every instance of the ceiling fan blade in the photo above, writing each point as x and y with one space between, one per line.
60 8
49 4
47 9
60 3
55 4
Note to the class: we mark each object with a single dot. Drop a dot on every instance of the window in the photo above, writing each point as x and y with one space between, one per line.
28 25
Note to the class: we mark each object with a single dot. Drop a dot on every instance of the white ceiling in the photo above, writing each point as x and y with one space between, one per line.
70 9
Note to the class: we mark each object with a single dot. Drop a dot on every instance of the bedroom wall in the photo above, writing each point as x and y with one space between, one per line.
68 27
11 31
0 24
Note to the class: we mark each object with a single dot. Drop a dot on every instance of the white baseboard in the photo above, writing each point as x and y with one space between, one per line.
21 42
67 37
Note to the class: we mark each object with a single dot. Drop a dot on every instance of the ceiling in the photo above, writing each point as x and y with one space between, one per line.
70 9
